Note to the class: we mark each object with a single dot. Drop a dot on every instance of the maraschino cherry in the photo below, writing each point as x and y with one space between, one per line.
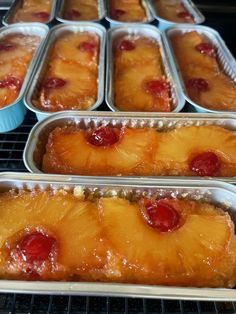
160 215
36 247
205 164
53 82
102 136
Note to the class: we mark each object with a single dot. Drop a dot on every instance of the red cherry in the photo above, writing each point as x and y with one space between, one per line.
42 15
160 215
156 87
116 14
184 15
87 46
11 82
199 84
36 247
53 82
126 45
7 46
205 164
206 49
103 136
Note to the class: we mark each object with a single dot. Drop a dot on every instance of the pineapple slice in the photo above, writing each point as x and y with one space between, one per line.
7 96
220 91
127 11
79 89
171 10
75 227
142 51
177 147
78 48
151 256
79 11
18 48
184 46
68 151
132 95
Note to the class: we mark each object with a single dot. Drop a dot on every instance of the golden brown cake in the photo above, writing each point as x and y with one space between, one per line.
16 52
70 80
33 11
127 10
185 151
140 83
56 235
80 10
174 11
205 80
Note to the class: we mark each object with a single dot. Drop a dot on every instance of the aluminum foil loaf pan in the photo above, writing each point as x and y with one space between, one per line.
164 24
11 116
38 138
152 33
114 23
8 17
41 66
61 18
220 194
224 57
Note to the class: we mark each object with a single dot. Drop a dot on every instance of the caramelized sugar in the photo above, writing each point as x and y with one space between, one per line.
174 11
127 10
33 11
80 10
141 151
137 68
74 61
54 235
16 52
198 63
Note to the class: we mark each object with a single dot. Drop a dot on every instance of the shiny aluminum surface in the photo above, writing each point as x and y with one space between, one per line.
38 138
189 5
17 4
60 12
55 33
113 23
224 57
152 33
218 193
12 115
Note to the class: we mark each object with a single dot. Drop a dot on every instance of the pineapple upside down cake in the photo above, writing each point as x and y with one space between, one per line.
70 79
16 52
60 235
206 83
140 83
186 151
174 11
33 11
80 10
127 11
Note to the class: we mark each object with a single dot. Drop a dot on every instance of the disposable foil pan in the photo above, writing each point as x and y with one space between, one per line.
60 12
38 138
113 23
224 57
12 116
218 193
188 4
171 74
55 33
16 4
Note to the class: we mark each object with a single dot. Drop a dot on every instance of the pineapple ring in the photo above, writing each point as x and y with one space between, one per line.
177 147
196 252
67 48
68 151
